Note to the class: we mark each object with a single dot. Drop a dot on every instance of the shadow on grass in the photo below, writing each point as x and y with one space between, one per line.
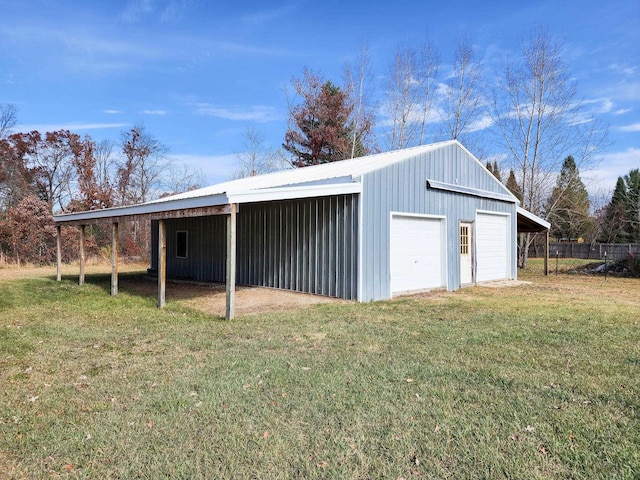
143 285
206 297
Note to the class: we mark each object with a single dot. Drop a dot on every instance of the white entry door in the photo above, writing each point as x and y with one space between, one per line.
417 253
492 247
466 260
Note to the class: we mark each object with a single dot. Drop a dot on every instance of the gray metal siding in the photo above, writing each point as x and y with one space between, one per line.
307 245
402 188
206 248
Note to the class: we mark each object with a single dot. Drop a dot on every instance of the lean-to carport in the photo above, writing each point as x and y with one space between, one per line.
206 202
530 223
148 212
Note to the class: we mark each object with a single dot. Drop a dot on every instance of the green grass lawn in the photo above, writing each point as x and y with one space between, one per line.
535 381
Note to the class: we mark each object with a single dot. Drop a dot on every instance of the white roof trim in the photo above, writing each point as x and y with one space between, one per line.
286 193
533 218
476 192
263 195
143 208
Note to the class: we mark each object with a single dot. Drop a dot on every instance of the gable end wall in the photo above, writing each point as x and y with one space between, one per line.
402 188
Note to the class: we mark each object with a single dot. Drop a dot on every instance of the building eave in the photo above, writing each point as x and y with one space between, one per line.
528 222
205 205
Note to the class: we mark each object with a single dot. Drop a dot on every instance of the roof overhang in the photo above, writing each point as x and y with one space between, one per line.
475 192
288 193
217 204
530 223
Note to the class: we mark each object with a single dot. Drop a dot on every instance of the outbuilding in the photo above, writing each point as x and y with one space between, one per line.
370 228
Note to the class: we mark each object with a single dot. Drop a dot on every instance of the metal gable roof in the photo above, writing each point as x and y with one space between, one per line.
319 180
345 170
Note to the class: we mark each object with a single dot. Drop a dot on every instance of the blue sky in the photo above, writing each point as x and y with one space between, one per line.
197 73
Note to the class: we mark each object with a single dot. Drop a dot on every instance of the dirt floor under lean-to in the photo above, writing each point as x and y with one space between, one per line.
206 297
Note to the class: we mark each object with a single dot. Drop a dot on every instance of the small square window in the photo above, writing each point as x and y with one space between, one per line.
181 244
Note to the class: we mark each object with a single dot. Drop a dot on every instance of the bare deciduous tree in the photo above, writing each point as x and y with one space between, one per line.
8 119
428 68
145 161
181 178
402 101
358 84
50 161
16 180
104 171
257 158
463 95
540 122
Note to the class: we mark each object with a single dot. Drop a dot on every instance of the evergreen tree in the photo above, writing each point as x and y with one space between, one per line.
493 168
567 209
633 195
319 127
496 171
621 222
614 224
513 186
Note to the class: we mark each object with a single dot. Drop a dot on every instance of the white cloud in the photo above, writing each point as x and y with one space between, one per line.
601 105
111 111
611 166
154 112
73 127
629 70
174 10
265 16
136 9
139 10
256 113
622 111
480 124
635 127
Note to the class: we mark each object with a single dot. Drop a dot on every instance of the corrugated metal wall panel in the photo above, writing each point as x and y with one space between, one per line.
304 245
401 187
206 248
206 240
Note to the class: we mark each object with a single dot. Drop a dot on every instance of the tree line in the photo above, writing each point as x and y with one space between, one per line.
62 171
569 210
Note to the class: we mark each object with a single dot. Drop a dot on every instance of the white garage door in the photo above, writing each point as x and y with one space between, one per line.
417 253
492 247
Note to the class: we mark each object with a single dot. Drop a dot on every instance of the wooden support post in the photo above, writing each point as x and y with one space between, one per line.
162 262
114 259
546 253
58 253
231 263
83 234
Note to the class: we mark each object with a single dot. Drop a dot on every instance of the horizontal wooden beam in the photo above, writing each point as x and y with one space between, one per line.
180 213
